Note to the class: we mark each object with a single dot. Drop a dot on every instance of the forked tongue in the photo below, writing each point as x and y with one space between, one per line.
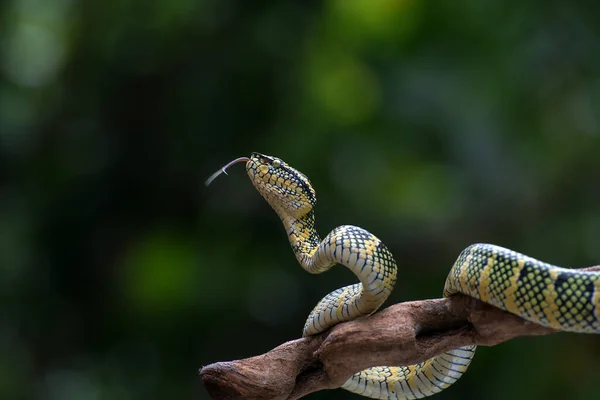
224 169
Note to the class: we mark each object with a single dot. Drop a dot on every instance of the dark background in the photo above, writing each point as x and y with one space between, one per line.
433 124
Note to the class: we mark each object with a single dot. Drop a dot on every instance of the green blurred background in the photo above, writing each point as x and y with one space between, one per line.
433 124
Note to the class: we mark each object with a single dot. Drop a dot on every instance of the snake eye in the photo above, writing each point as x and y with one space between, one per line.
276 163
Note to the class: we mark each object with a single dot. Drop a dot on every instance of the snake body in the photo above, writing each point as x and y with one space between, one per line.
542 293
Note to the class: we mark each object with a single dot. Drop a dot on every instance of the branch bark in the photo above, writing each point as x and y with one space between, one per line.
402 334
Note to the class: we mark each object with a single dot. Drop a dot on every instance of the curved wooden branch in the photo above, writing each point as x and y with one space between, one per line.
403 334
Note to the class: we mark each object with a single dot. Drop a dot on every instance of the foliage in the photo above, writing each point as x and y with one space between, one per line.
432 124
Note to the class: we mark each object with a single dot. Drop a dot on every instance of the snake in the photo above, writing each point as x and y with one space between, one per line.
548 295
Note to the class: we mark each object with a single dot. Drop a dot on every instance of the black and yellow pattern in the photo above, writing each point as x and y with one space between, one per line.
548 295
292 197
413 381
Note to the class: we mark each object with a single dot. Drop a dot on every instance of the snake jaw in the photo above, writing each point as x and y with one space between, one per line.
288 191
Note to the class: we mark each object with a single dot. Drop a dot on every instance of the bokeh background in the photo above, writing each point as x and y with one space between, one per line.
433 124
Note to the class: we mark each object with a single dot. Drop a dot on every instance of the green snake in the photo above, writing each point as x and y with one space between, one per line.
548 295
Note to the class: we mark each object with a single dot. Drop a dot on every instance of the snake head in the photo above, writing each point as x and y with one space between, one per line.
286 189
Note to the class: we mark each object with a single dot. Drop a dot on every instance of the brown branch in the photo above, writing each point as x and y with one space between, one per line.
403 334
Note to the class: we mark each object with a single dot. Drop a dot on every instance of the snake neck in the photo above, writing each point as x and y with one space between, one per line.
305 240
356 249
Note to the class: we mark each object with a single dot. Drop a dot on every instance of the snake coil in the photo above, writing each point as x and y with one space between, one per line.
548 295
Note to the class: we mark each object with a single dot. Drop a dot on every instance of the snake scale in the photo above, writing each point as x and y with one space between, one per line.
548 295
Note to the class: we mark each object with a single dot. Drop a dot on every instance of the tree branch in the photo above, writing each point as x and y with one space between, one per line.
402 334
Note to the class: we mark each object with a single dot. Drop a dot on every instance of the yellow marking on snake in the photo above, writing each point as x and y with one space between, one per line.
548 295
484 294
